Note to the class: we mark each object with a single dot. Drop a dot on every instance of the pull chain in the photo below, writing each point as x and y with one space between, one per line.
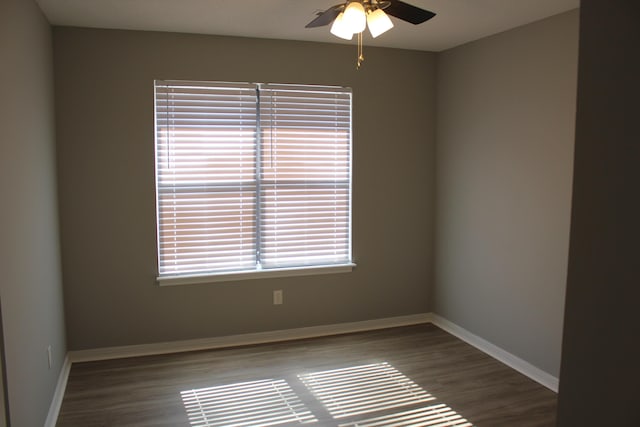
360 51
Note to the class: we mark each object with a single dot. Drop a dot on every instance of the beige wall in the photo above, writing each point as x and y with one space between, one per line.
505 130
104 105
601 347
31 290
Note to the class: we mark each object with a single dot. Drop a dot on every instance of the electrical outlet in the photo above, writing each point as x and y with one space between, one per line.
49 357
277 297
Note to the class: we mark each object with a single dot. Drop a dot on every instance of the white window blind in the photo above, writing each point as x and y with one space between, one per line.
251 177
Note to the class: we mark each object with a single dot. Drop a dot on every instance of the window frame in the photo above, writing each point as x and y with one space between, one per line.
168 279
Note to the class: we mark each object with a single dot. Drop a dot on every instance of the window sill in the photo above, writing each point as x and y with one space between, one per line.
257 274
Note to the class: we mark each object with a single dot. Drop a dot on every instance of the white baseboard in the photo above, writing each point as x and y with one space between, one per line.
245 339
496 352
56 402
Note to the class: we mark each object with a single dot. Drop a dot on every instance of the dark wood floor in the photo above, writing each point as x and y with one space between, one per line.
410 376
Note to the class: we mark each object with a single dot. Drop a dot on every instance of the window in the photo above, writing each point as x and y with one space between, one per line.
251 178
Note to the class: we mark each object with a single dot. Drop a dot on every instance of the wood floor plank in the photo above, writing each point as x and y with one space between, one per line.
380 377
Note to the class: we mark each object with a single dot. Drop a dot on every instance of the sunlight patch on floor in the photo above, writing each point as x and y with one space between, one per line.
363 389
429 416
372 395
248 404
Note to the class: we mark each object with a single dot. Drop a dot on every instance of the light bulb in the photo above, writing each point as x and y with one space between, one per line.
340 28
378 22
354 17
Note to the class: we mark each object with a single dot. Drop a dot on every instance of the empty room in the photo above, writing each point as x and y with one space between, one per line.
288 212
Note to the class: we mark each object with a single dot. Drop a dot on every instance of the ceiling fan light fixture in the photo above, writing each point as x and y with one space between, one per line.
378 22
340 28
355 17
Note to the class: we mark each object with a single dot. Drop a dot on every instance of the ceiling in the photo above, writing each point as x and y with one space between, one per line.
456 22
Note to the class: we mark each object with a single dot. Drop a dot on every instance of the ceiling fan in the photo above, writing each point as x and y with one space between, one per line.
353 16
